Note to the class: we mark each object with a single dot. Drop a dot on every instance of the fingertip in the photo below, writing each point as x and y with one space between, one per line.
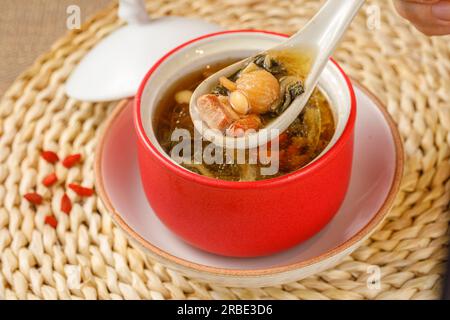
441 10
431 31
400 6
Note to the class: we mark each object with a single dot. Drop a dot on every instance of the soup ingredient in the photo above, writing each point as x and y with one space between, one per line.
50 156
66 204
80 190
290 88
270 64
264 86
239 102
216 111
227 84
201 169
261 89
312 121
51 221
71 160
249 68
33 198
240 127
50 180
183 96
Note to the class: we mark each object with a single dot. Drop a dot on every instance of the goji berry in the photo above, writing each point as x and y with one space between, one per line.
49 156
80 190
33 197
50 180
71 160
66 204
51 221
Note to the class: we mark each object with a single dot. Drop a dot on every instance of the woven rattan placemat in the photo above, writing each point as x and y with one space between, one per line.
408 71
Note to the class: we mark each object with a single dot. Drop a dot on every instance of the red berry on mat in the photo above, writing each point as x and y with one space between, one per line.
71 160
50 180
66 204
33 198
49 156
51 221
81 191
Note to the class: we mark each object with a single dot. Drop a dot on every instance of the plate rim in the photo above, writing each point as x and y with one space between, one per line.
168 258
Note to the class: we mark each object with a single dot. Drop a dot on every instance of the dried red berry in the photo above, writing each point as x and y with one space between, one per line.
66 204
50 180
51 221
81 191
71 160
50 156
33 198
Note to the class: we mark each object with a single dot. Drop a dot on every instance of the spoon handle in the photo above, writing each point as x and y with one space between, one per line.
133 11
322 34
325 30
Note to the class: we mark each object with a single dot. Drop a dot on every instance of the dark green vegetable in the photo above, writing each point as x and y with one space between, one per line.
291 87
271 65
220 90
296 89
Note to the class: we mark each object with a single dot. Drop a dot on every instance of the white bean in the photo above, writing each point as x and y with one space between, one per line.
239 102
183 97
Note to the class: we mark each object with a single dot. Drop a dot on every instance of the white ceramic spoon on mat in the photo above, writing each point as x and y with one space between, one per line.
114 68
321 36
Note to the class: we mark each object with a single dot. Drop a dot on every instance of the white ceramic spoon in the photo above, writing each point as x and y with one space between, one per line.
321 36
114 68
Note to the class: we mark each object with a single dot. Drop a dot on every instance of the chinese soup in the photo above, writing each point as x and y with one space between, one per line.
303 141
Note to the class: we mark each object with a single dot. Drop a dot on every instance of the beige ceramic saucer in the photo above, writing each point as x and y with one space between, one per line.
376 175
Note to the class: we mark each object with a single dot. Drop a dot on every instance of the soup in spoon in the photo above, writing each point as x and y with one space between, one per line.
262 90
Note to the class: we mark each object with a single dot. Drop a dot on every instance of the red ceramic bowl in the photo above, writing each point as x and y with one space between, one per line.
242 219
